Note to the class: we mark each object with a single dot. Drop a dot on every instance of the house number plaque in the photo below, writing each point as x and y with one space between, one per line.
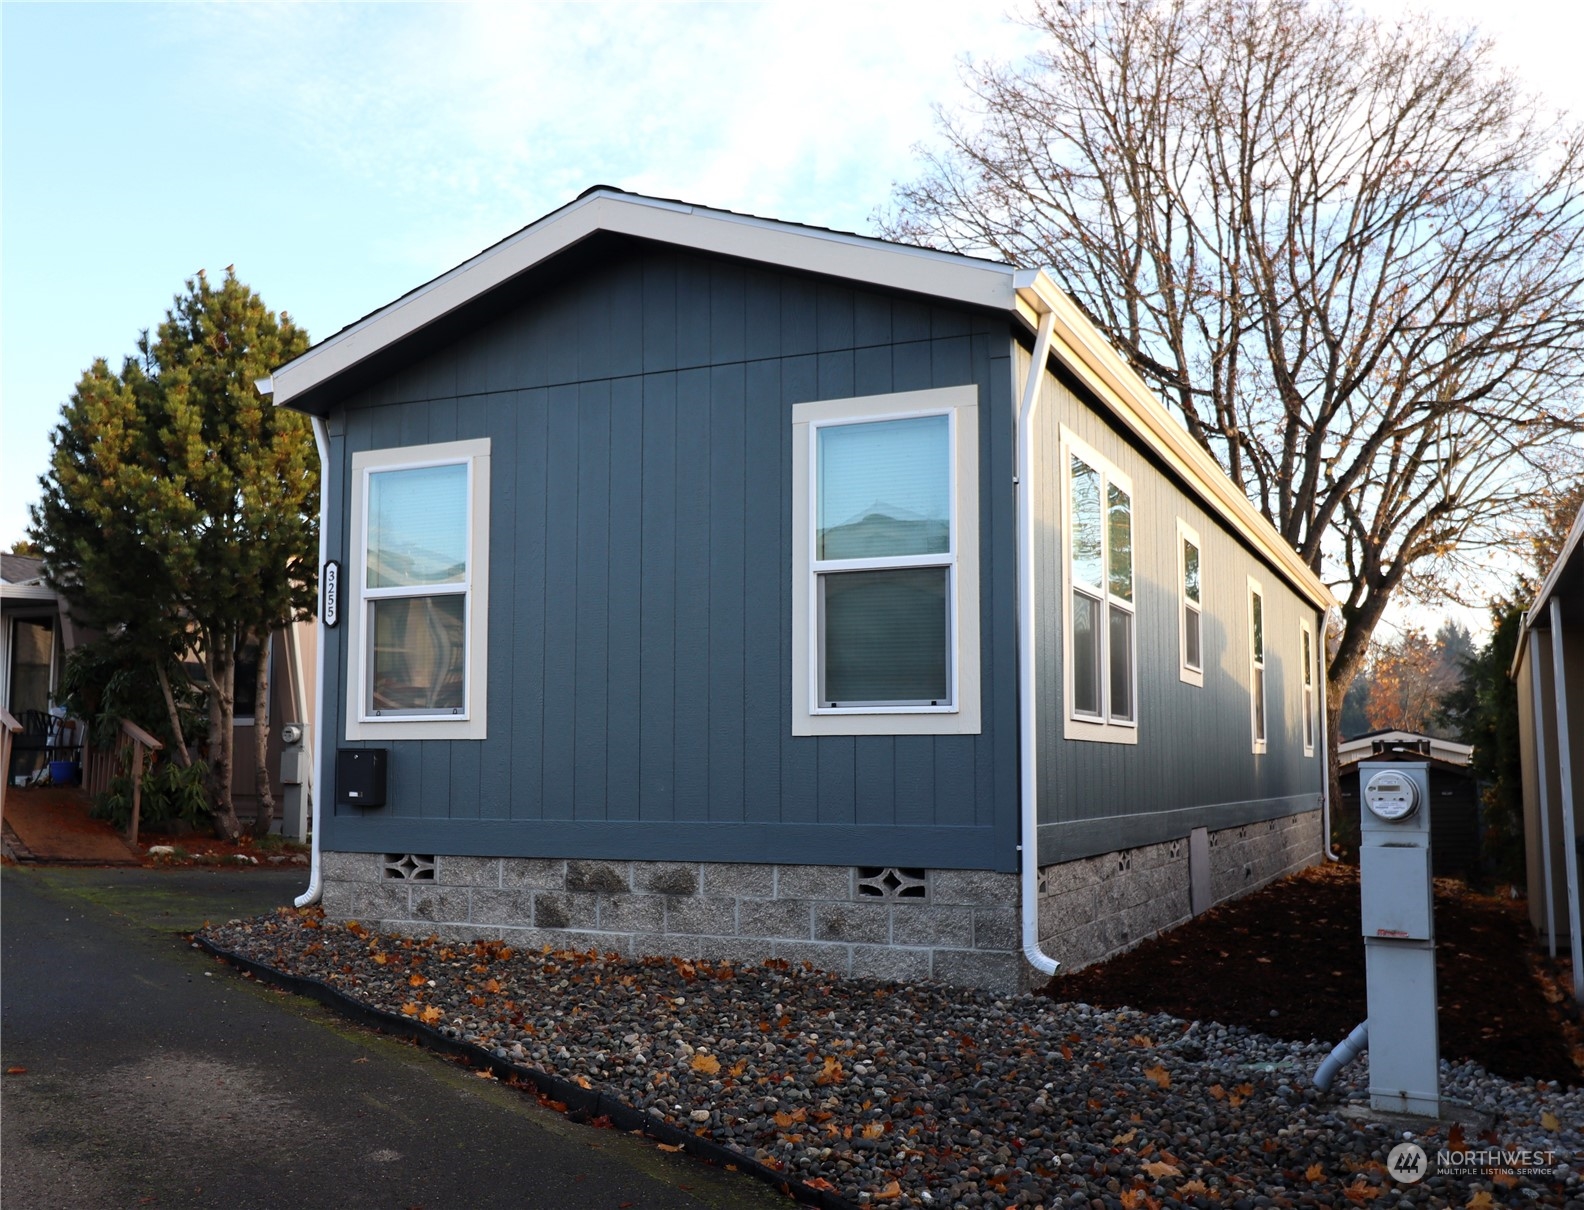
332 594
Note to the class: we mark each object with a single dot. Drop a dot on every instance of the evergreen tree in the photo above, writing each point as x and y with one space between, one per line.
180 510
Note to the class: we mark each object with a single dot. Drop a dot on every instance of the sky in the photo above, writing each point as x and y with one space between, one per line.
339 155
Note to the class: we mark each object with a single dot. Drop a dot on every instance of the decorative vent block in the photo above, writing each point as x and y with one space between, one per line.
1175 850
892 882
1045 877
409 867
1124 861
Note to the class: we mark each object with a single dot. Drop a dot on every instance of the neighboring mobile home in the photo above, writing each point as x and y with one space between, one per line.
719 586
1549 670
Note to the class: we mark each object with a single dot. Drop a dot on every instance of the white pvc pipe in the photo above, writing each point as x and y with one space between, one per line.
1028 700
1565 776
1341 1055
1542 787
321 434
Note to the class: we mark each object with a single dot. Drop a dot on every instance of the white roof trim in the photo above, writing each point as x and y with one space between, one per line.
1440 749
856 258
833 254
1089 355
1538 616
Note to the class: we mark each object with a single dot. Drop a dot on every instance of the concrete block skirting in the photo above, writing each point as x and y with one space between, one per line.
959 926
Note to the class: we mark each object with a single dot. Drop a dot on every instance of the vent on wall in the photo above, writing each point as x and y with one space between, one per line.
410 867
892 882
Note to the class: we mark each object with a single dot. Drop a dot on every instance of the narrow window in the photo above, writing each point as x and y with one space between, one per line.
417 637
1257 663
1100 638
1306 650
1190 606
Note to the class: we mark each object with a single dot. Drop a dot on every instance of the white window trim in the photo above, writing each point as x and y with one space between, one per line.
1186 671
1259 703
1308 719
1104 730
471 724
962 717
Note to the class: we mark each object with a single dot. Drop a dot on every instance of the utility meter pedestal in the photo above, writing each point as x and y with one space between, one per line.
1399 938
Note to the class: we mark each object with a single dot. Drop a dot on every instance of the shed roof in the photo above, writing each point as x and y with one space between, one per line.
313 381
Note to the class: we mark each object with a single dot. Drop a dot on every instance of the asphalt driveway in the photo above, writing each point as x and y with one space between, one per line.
155 1076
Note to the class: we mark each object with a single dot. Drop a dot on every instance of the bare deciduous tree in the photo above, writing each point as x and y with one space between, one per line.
1350 254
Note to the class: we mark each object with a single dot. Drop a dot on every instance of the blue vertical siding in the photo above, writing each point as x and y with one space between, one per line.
640 577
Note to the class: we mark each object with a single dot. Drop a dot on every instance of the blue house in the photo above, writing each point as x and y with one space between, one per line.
718 586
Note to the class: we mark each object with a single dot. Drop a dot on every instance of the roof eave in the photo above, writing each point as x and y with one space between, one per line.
1087 353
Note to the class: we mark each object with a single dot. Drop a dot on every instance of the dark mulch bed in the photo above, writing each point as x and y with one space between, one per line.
1288 960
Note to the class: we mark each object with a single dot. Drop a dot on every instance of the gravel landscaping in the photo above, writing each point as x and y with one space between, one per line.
927 1095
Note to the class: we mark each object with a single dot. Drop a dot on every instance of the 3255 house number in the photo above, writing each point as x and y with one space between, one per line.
332 593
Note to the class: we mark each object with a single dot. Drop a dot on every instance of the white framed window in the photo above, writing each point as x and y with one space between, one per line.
417 638
1306 650
885 521
1190 605
1100 636
1256 622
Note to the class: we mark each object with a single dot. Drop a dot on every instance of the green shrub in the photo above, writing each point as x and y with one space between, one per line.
171 794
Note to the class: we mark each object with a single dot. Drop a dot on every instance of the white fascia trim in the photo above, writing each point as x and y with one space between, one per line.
27 592
1537 617
1091 357
854 258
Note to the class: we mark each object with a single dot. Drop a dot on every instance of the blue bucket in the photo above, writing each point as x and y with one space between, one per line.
63 772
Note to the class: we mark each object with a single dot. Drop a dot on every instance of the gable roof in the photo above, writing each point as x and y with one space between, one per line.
310 382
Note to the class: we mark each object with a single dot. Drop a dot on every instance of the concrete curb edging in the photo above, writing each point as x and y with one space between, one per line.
582 1104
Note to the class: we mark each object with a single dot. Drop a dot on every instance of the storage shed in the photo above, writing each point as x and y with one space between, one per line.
712 585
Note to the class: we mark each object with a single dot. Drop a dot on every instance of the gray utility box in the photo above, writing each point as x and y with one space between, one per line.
1399 937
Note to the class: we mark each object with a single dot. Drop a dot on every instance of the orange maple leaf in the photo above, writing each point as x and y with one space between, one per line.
708 1064
890 1193
1160 1075
430 1015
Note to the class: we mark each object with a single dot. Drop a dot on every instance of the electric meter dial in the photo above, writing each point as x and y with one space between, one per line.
1391 796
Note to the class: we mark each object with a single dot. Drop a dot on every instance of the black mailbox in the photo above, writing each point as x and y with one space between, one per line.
360 776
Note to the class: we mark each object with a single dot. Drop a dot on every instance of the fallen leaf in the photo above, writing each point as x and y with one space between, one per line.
832 1073
1550 1121
890 1193
430 1015
1481 1200
1216 1091
1123 1140
582 1081
416 980
1362 1192
1195 1186
410 1009
16 1071
1159 1170
492 985
820 1183
1160 1075
667 1147
1132 1199
1314 1172
708 1064
1455 1140
1505 1179
873 1130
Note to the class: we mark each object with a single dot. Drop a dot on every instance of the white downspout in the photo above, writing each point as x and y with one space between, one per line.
1028 700
1325 742
321 432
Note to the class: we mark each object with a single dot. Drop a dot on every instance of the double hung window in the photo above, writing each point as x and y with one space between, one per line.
1101 679
1257 663
417 638
886 521
1190 606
